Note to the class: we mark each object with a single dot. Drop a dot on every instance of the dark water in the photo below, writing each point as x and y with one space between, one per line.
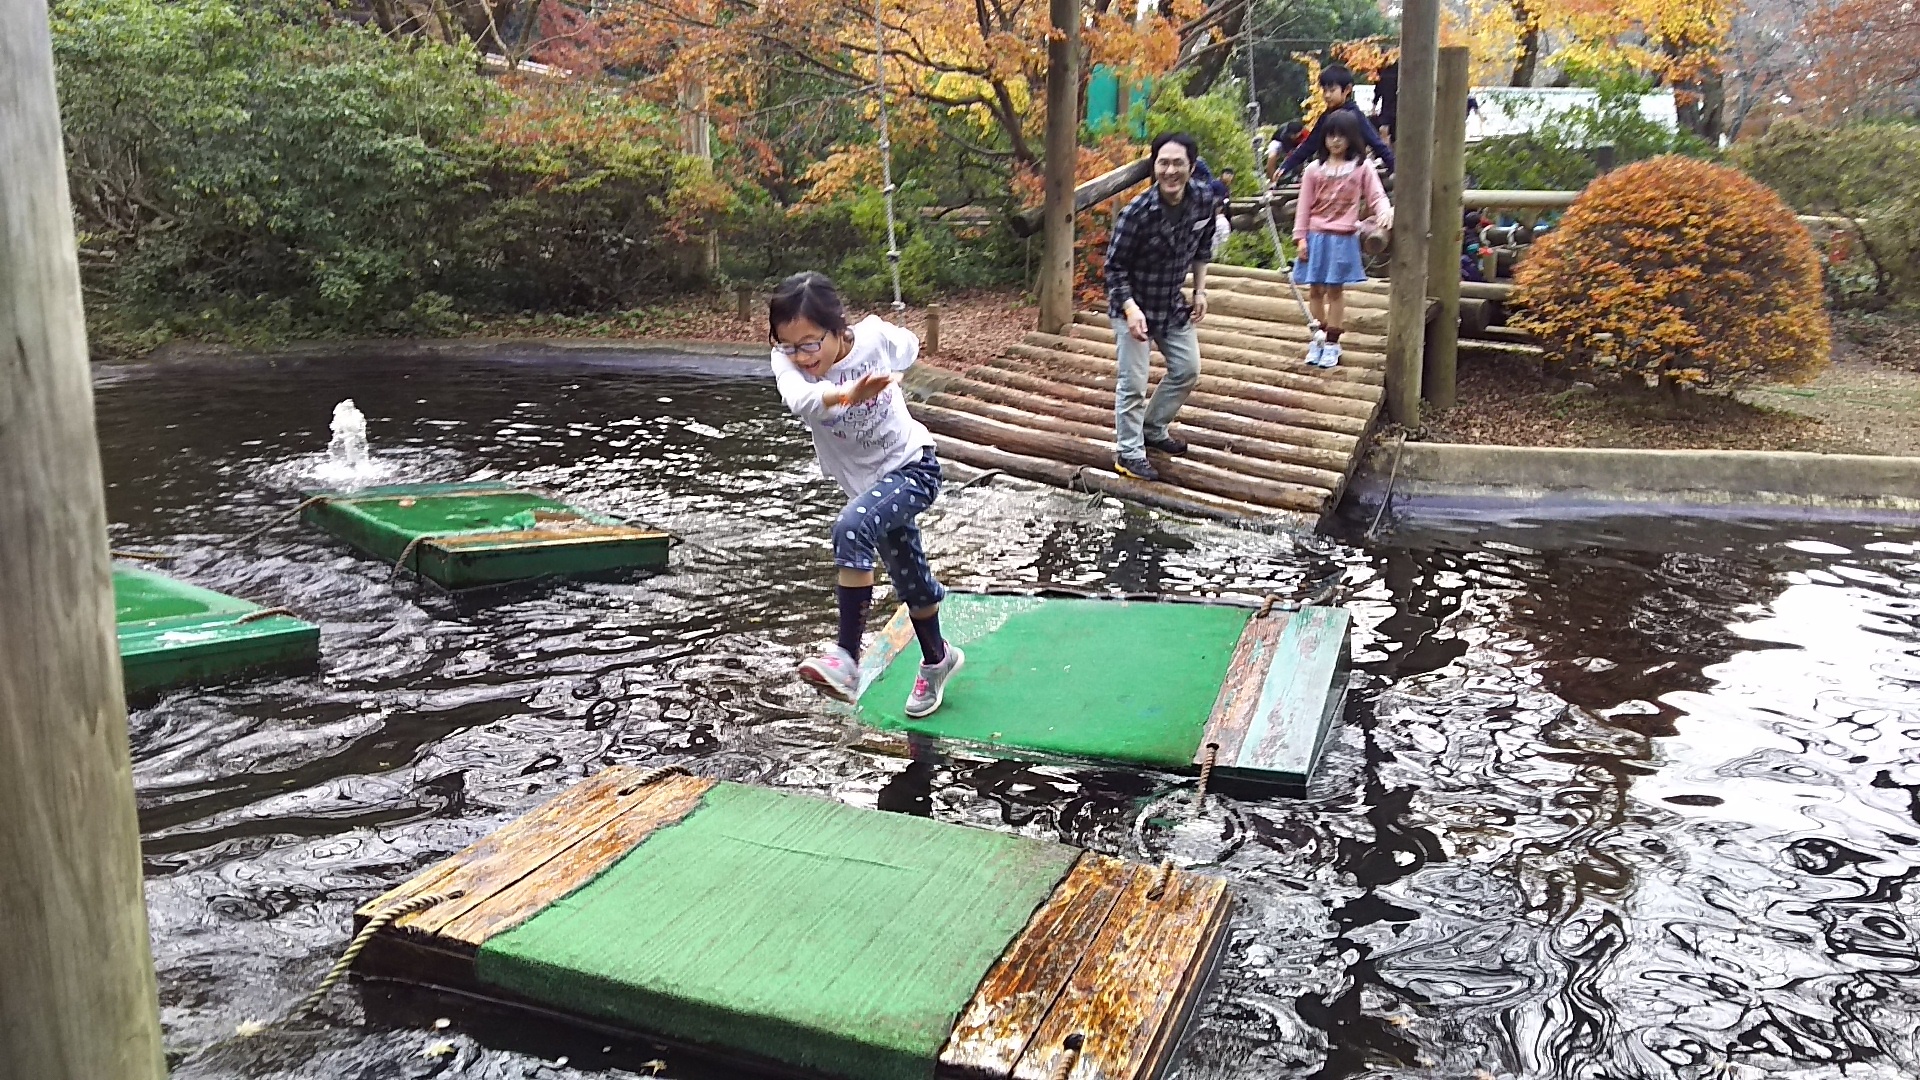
1611 800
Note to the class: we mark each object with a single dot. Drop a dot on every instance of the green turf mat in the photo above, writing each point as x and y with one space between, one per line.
172 633
1108 680
815 934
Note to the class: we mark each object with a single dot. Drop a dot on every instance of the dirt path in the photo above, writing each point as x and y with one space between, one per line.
1861 405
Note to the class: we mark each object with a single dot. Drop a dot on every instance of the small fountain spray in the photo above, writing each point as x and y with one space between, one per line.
348 451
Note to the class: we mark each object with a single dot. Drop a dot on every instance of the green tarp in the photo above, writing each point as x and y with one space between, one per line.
172 633
1105 680
812 933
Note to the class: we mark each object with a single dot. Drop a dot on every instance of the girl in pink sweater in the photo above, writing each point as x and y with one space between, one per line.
1333 193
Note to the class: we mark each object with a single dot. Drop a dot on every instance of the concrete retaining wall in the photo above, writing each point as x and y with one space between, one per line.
1430 472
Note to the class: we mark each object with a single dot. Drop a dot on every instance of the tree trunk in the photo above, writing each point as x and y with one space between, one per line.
1526 66
1209 62
77 997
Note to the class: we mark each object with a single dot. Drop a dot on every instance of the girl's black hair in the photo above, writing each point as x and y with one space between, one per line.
1340 122
808 295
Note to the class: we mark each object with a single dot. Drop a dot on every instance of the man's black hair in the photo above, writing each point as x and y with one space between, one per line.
1183 139
1340 122
1291 131
808 295
1337 75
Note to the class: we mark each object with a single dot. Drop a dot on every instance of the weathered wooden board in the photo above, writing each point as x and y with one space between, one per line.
1013 1001
1276 730
1126 998
1240 692
502 859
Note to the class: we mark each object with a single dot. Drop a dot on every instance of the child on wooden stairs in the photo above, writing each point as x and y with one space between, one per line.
839 380
1333 192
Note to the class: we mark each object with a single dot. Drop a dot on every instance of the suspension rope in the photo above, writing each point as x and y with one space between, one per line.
1268 191
886 148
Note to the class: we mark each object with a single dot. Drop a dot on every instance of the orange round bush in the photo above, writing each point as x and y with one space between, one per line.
1678 270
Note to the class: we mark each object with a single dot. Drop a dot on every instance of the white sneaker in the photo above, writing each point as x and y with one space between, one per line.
1330 355
1313 352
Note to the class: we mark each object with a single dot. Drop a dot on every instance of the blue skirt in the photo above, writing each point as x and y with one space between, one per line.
1332 259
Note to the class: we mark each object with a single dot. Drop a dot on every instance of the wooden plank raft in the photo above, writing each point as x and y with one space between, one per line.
1253 691
1272 440
803 937
463 535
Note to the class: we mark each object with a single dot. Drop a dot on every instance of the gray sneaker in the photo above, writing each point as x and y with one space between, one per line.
834 673
931 687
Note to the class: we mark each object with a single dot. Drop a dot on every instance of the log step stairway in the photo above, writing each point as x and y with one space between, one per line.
1271 439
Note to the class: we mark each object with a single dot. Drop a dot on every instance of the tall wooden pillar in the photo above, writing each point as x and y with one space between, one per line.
77 999
1443 260
1063 150
1412 209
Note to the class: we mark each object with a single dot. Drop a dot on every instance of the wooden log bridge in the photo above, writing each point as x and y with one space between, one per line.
1272 441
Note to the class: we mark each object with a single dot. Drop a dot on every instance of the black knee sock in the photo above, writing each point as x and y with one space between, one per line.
1333 335
933 647
853 615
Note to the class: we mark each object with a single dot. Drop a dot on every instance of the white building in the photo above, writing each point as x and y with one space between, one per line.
1516 110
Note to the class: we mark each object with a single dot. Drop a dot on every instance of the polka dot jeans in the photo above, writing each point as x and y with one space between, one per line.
880 521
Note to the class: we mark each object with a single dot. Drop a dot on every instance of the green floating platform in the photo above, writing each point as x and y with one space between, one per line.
173 634
462 535
806 937
1157 684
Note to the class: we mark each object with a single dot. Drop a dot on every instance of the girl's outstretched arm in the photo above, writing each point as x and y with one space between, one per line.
808 399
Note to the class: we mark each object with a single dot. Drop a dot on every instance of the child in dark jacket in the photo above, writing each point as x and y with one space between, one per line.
1336 85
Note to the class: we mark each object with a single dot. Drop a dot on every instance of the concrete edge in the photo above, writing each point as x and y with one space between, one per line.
1563 476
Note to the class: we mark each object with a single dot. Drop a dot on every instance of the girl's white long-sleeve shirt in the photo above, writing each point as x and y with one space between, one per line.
858 444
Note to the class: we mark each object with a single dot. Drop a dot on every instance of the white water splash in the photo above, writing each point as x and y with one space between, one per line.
348 462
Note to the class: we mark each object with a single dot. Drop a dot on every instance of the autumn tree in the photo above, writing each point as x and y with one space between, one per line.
1865 59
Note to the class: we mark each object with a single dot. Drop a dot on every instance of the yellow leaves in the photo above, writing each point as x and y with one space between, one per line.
1680 269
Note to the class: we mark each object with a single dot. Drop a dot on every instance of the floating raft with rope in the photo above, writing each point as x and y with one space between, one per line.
803 937
462 535
1272 440
1154 683
173 634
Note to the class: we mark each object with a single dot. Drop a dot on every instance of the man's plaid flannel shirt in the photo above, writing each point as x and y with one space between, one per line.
1153 247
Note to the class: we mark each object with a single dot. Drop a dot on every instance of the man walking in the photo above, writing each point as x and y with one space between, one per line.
1157 239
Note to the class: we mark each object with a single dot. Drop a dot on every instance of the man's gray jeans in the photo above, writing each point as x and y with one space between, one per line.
1136 419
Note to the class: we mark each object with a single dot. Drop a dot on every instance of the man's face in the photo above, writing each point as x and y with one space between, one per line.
1336 95
1172 169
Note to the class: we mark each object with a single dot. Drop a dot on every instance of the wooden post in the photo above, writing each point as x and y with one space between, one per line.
1443 261
1063 131
1490 264
1412 213
933 330
77 1001
744 297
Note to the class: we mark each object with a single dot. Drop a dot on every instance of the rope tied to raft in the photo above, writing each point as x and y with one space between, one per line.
1161 879
654 775
406 553
1392 476
264 613
380 921
1069 1057
143 556
1206 776
293 513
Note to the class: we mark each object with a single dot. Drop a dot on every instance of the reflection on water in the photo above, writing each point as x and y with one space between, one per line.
1611 799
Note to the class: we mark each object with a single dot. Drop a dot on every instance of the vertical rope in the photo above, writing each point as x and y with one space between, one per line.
1260 163
886 146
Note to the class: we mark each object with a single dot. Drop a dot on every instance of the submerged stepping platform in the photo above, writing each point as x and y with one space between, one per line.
1149 683
809 938
172 633
462 535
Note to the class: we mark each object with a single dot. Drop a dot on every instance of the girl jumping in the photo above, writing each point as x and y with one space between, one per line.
839 380
1333 192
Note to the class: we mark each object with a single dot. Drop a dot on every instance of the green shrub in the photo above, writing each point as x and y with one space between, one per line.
233 171
1864 171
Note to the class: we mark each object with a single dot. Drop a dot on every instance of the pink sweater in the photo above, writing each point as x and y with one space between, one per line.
1332 196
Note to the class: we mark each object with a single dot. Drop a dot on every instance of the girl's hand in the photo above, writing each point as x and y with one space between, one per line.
866 388
1302 247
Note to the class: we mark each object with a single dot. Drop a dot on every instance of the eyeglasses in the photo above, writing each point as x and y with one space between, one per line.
806 347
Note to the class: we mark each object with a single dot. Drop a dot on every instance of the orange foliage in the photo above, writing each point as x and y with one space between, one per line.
1866 58
1677 269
